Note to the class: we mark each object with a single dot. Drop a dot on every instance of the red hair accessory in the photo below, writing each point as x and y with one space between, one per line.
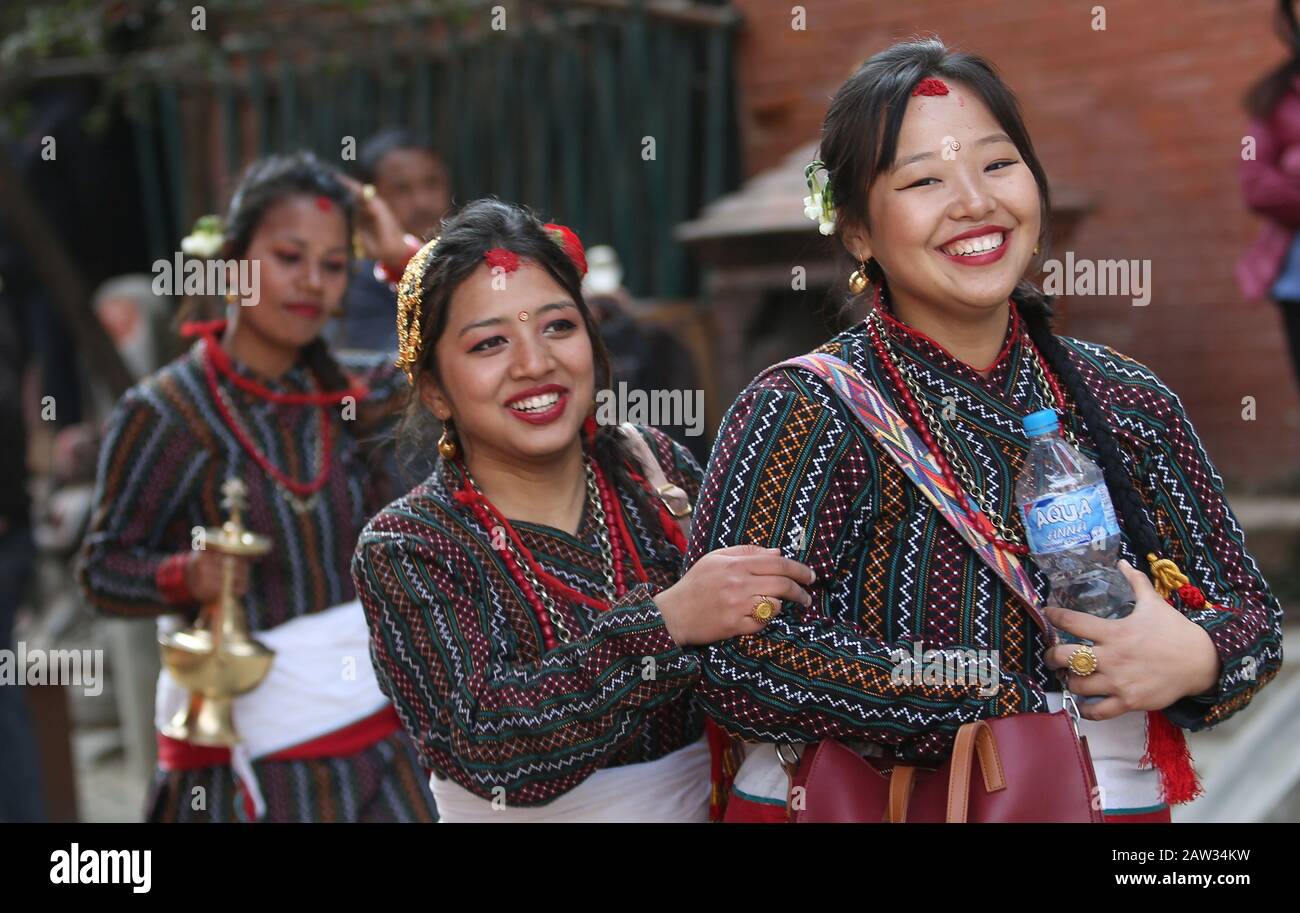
324 204
506 259
930 86
565 237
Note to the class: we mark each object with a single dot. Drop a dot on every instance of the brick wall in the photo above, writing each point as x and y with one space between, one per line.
1145 119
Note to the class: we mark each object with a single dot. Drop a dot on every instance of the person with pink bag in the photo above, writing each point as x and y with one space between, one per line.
1270 185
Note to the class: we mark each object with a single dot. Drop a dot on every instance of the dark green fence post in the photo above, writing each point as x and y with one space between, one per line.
150 174
173 160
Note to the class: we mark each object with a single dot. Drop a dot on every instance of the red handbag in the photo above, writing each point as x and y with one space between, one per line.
1033 766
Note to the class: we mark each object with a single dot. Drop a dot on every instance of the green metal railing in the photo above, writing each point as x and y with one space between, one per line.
551 112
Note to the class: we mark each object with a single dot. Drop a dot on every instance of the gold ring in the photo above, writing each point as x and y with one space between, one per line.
764 611
368 191
1083 661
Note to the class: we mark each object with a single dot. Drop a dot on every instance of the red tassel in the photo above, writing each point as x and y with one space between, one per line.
1191 596
1167 751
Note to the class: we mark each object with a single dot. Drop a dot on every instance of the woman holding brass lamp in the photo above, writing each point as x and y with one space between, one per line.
259 427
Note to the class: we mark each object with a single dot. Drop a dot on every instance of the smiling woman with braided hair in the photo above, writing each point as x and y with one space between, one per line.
934 189
528 615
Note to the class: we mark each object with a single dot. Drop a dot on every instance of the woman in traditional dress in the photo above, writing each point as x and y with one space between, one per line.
260 398
934 189
526 613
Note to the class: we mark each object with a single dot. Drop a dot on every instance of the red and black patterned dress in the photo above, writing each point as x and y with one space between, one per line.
794 469
166 453
463 658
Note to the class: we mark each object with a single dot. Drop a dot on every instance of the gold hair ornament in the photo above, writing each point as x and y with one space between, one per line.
408 311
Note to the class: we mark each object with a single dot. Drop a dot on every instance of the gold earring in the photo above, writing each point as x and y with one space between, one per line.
1035 250
232 297
858 279
447 444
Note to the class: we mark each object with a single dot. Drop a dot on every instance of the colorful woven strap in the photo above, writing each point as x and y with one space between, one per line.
903 445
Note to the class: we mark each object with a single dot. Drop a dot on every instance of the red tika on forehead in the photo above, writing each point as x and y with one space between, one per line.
324 204
506 259
931 86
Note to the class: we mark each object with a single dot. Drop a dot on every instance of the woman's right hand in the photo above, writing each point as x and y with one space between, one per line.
381 234
203 575
715 599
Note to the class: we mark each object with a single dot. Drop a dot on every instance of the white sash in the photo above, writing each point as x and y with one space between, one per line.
321 680
674 788
1117 746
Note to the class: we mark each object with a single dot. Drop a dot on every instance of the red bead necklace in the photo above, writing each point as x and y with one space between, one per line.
538 585
922 427
211 329
215 359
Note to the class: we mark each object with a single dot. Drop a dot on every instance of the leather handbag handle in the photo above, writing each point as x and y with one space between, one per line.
673 496
974 740
901 781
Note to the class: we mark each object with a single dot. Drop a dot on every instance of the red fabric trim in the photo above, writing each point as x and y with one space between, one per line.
1160 817
1012 336
746 811
170 580
173 754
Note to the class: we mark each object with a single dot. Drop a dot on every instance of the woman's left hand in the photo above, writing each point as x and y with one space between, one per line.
1146 661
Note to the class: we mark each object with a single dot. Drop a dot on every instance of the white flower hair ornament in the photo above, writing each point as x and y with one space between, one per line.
205 238
819 206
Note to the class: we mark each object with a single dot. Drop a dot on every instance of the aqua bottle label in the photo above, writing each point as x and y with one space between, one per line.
1061 522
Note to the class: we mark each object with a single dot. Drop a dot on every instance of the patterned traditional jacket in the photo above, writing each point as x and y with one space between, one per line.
165 455
460 653
793 469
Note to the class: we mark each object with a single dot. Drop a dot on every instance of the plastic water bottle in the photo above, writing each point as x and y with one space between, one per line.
1070 524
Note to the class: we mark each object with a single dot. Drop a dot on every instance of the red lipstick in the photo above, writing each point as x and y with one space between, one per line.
992 256
543 416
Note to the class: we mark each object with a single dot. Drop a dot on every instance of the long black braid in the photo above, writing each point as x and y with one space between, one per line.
1036 311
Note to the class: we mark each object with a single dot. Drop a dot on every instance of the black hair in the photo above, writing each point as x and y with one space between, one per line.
462 243
265 183
859 142
860 134
1264 95
376 148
